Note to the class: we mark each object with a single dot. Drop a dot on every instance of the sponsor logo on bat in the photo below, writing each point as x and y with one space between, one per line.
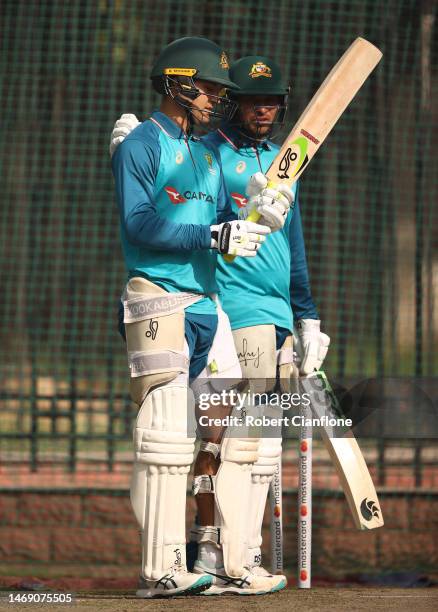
294 159
309 136
277 511
369 509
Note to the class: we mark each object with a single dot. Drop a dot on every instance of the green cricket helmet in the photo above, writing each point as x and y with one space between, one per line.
258 75
195 57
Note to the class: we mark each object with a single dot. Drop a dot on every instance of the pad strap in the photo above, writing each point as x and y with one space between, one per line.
203 484
206 534
210 447
150 362
285 355
142 308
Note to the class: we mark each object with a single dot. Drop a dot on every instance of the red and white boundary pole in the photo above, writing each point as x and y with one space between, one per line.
276 502
305 503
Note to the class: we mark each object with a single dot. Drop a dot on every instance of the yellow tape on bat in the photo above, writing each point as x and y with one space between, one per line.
253 216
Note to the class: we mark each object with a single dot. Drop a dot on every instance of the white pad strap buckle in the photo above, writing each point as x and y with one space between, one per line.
206 534
203 484
285 355
210 447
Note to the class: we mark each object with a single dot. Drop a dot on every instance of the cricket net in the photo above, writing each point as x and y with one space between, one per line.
370 221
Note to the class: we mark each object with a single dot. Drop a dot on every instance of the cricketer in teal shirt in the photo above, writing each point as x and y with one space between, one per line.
170 189
262 290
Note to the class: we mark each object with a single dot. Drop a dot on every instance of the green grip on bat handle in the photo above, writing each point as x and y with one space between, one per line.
253 216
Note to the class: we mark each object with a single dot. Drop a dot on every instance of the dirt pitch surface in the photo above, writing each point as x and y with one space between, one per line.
317 599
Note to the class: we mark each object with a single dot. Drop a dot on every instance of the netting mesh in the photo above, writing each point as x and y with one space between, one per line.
368 199
70 69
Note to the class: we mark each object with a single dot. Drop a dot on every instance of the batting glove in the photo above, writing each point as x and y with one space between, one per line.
310 345
271 202
121 129
241 238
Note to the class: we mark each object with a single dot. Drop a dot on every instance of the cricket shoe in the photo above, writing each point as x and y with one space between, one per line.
278 580
250 583
176 582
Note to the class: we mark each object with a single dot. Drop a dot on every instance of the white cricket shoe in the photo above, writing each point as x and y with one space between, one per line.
176 582
278 580
250 583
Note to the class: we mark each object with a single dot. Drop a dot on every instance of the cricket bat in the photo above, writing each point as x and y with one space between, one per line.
346 455
321 114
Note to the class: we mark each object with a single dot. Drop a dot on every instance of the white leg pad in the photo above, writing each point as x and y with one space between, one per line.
163 455
232 491
262 473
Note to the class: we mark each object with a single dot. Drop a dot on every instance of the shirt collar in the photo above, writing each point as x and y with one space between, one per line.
240 141
168 126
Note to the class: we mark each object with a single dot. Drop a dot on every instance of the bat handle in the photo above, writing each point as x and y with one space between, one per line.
254 217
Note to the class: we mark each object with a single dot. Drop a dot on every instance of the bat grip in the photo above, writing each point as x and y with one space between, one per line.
253 216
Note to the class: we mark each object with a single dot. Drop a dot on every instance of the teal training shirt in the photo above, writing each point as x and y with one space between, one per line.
170 189
263 289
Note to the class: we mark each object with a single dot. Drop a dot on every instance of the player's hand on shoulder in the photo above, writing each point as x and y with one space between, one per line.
121 129
310 344
241 238
271 201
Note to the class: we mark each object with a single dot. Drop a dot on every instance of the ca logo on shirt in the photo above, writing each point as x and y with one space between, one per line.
241 167
179 158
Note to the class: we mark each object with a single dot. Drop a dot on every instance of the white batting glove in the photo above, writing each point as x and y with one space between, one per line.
241 238
271 203
310 345
257 182
121 129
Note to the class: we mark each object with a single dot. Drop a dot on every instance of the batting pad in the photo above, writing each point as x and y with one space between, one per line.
232 490
163 455
262 473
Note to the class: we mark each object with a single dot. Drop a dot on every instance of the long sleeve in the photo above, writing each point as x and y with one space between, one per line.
303 306
135 166
224 206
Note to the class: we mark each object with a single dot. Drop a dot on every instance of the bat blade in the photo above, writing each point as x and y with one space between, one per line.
321 114
356 481
346 455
